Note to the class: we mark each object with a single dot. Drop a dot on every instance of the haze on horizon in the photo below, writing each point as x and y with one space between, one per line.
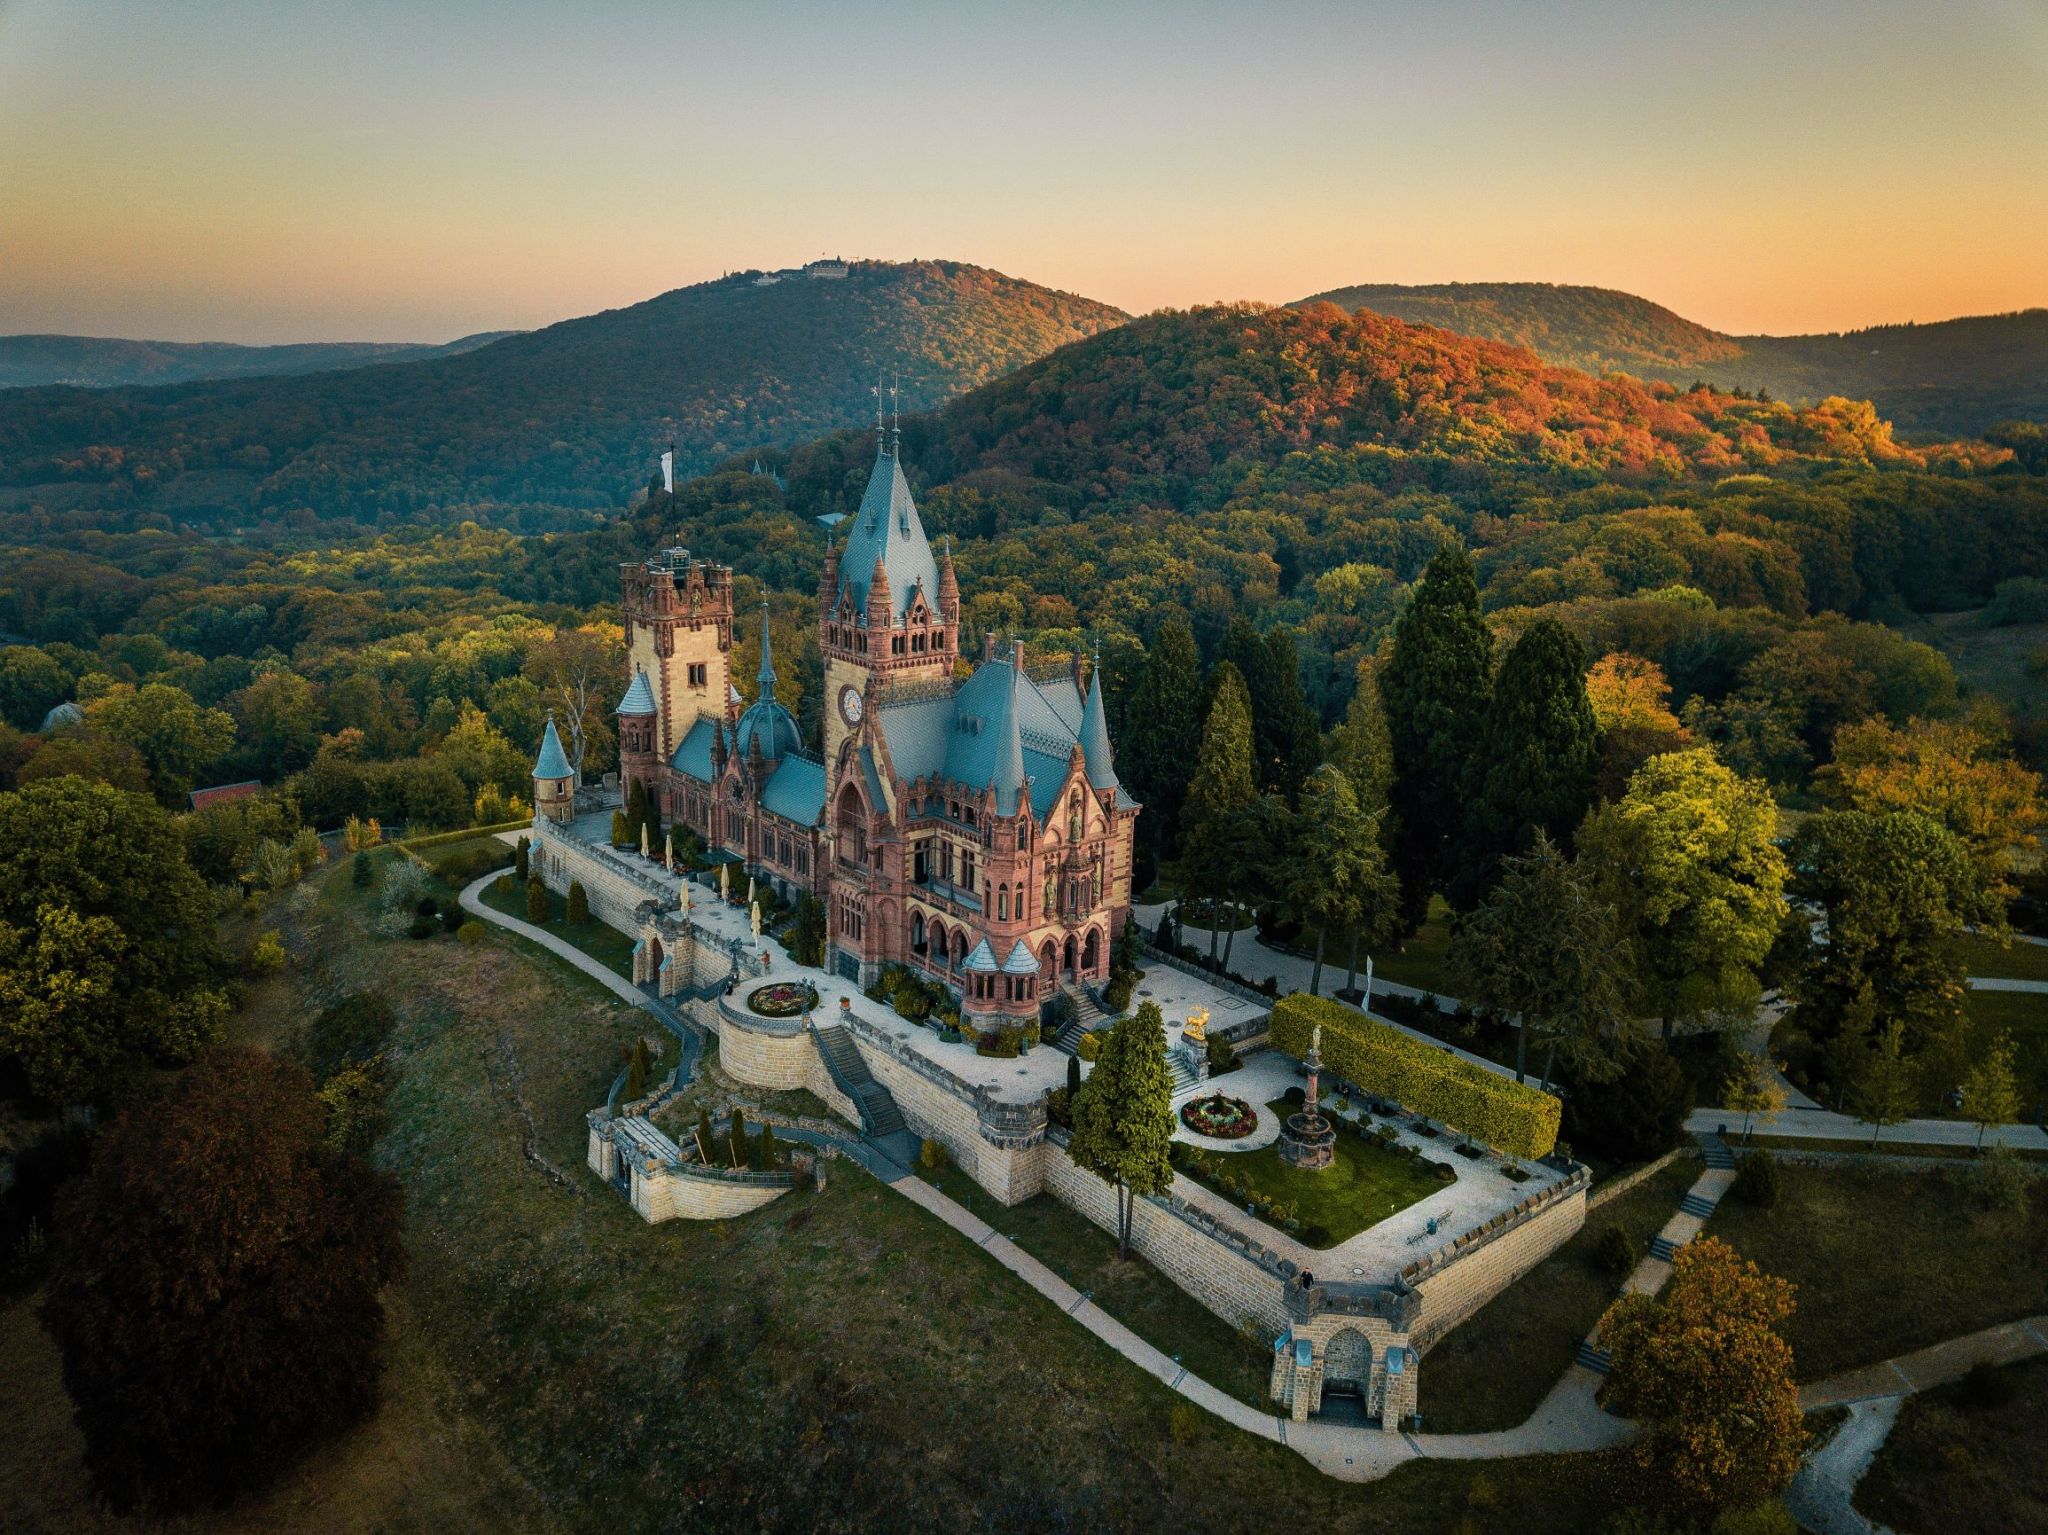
233 171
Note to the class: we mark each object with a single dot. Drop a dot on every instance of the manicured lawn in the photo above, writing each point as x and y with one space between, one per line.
1491 1371
600 940
1951 1464
2019 960
1422 961
1888 1260
1133 1292
1365 1185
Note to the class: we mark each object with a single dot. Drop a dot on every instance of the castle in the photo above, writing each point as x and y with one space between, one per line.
971 827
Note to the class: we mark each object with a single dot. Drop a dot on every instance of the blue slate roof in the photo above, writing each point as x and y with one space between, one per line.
1094 733
1020 961
964 736
796 791
888 528
693 752
552 762
982 959
639 697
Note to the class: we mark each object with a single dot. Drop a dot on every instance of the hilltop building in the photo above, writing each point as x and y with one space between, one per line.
967 824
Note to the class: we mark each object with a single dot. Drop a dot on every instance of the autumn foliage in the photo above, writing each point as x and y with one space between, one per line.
214 1288
1704 1370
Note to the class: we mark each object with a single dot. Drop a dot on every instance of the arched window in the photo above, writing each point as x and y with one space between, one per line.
917 931
1091 953
1003 904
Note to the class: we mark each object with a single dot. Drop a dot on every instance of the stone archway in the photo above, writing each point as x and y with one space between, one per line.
1072 960
1347 1364
1091 952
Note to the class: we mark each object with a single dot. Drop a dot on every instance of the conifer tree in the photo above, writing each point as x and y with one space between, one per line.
1337 877
579 903
1162 733
1535 770
1436 687
706 1140
766 1158
1219 796
536 901
737 1134
522 858
1123 1115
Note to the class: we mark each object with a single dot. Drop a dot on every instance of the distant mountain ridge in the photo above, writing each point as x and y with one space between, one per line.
106 362
1948 377
573 416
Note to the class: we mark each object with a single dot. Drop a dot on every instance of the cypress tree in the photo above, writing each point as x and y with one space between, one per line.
1073 1076
767 1157
1535 774
1286 736
1436 687
1218 797
523 858
737 1134
636 811
579 903
536 901
705 1134
1163 733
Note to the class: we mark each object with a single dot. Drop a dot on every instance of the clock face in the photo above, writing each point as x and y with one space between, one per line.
849 704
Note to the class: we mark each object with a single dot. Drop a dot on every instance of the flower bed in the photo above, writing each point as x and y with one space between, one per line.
782 999
1219 1116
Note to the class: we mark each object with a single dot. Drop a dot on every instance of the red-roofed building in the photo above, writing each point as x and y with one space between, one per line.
225 794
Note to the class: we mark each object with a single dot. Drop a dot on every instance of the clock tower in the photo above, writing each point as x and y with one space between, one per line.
888 612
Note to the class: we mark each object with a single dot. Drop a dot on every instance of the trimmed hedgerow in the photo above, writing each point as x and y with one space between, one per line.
1509 1116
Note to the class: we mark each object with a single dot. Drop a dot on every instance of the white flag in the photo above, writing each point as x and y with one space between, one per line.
668 471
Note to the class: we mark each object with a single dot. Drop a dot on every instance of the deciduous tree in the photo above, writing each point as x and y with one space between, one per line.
214 1290
1705 1372
1990 1095
1687 860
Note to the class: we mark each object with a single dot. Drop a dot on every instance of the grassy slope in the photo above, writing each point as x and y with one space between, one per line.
1491 1372
1949 1465
1889 1260
838 1361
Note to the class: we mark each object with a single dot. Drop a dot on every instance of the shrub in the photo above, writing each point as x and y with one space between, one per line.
620 835
706 1136
361 869
536 901
931 1155
404 882
504 885
1184 1423
1116 996
1616 1254
1770 1517
1295 1096
2018 600
1985 1385
1315 1234
471 933
2001 1180
1511 1116
1222 1055
1088 1047
1756 1180
637 1065
266 954
420 927
579 903
1059 1108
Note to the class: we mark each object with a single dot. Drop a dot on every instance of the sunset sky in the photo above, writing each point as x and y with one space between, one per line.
212 169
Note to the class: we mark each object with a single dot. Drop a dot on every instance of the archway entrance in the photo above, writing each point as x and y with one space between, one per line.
1347 1364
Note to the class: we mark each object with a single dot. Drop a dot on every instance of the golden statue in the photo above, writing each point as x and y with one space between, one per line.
1196 1030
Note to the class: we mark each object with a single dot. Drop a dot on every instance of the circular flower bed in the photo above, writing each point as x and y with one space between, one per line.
782 999
1219 1115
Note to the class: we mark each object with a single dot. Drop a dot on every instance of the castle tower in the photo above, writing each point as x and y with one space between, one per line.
554 781
678 615
639 752
887 611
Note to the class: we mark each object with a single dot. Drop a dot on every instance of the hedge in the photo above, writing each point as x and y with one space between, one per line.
443 838
1424 1078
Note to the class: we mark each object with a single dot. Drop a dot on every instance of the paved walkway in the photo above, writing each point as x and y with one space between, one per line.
1817 1124
1821 1496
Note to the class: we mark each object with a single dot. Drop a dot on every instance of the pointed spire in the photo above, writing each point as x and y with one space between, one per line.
1095 749
766 675
552 762
1008 781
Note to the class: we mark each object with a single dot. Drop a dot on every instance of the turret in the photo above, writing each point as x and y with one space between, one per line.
949 585
1095 748
639 753
881 607
554 781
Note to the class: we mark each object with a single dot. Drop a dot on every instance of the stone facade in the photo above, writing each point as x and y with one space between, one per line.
661 1185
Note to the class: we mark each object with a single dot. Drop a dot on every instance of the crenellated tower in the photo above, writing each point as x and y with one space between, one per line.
678 617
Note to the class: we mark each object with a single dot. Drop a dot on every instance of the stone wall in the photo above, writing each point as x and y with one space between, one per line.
695 1194
1458 1285
777 1055
615 890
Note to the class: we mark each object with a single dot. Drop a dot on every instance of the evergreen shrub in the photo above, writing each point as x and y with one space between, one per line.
1756 1180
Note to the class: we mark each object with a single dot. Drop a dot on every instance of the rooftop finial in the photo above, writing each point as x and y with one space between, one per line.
766 676
881 438
896 417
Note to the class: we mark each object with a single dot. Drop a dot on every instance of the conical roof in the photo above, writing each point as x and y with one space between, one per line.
639 697
1020 961
552 762
982 960
1008 780
887 531
1095 750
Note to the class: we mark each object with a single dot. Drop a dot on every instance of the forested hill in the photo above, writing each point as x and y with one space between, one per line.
104 362
1953 377
1152 409
570 417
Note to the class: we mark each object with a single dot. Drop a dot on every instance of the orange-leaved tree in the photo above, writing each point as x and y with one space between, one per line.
1705 1372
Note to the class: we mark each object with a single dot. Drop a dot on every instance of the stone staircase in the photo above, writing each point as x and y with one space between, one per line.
1715 1153
879 1116
1088 1014
1697 1204
1594 1357
1664 1249
1183 1075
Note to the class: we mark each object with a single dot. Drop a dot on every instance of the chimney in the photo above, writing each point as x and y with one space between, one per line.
1017 656
988 646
